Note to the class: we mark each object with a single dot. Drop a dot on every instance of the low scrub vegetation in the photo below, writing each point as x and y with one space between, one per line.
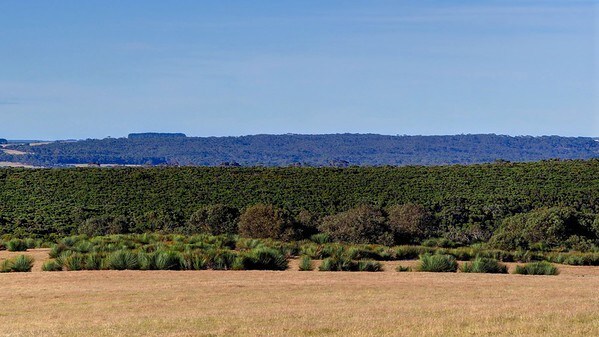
537 268
484 265
437 263
20 263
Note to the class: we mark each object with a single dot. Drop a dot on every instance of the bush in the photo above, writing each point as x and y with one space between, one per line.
16 245
363 224
21 263
484 265
305 263
266 221
438 263
541 229
51 265
537 268
214 219
121 260
409 223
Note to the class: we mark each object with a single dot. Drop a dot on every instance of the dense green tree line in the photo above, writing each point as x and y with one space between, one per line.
460 203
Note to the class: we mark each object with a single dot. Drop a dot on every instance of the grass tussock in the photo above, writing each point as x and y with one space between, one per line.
438 263
305 263
537 268
484 265
21 263
51 265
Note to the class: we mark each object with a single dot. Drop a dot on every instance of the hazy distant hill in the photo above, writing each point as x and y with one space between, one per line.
311 150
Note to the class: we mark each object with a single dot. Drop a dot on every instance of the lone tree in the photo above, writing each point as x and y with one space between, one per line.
266 221
409 223
214 219
363 224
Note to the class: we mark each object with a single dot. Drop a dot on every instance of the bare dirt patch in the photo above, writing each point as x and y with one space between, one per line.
14 152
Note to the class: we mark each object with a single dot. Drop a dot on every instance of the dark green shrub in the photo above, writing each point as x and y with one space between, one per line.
537 268
409 223
369 265
305 263
214 219
266 221
363 224
16 245
51 265
437 263
21 263
121 260
540 229
484 265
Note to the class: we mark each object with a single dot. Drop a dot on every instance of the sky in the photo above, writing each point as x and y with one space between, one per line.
92 69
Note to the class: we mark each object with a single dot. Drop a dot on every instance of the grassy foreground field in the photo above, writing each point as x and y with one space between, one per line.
292 303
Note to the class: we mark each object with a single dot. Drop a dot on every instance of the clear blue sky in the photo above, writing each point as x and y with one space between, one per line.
79 69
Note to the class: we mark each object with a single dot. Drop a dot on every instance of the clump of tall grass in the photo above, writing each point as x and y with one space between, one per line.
437 263
411 252
121 260
261 258
339 263
537 268
57 249
21 263
305 263
401 268
369 265
221 259
5 266
51 265
73 262
484 265
93 261
16 245
194 261
320 238
167 260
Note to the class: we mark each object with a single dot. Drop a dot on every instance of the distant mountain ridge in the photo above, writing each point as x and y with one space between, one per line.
305 150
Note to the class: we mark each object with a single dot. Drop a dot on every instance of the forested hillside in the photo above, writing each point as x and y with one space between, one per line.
461 203
306 150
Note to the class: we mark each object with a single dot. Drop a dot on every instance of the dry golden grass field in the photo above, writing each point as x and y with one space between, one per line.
293 303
